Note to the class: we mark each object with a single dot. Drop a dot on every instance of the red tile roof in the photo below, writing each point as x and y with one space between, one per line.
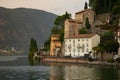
83 11
82 36
75 21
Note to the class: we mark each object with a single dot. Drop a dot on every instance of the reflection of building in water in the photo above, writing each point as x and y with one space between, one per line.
70 72
56 72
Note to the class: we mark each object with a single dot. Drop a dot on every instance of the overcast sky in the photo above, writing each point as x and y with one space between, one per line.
55 6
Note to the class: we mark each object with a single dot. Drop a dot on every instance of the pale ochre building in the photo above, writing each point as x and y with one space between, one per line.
55 45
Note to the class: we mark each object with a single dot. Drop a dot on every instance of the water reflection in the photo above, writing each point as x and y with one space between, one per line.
21 70
83 72
107 73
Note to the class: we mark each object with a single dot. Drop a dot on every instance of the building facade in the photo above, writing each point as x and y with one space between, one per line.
55 45
80 45
71 27
87 13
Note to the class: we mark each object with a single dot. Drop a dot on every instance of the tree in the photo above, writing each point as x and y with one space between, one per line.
109 43
96 50
103 6
33 47
47 45
82 31
116 10
55 30
87 24
86 5
59 21
102 50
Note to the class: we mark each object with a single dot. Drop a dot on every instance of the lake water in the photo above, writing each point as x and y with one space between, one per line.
18 68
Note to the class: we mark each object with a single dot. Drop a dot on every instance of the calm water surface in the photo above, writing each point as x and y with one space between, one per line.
18 68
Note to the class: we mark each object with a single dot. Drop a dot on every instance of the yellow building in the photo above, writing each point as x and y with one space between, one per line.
55 45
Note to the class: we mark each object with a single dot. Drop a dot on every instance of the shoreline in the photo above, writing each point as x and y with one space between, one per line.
77 61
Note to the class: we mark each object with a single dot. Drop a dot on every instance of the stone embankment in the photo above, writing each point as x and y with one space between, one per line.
75 60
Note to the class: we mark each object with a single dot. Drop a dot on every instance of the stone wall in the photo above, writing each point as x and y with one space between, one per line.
106 56
64 60
104 18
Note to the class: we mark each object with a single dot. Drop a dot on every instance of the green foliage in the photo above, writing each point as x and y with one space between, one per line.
57 29
110 60
33 46
86 5
87 24
109 43
103 6
47 45
59 21
83 31
116 10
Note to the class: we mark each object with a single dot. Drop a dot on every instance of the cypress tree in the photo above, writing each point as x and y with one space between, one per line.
86 5
87 24
33 47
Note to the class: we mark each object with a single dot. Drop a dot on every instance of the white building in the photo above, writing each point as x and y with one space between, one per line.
80 45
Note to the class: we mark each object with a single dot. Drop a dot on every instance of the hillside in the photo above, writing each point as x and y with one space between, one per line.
17 26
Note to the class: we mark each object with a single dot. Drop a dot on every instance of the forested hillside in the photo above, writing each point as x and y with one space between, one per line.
103 6
17 26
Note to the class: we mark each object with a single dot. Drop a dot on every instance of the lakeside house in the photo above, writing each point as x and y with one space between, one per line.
81 45
55 45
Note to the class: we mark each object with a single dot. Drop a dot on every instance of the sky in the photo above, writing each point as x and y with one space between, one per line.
58 7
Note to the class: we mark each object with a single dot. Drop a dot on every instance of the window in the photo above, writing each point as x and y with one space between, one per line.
83 45
86 44
69 50
73 44
65 50
74 50
87 40
74 33
73 41
82 39
87 50
74 54
69 40
82 49
78 50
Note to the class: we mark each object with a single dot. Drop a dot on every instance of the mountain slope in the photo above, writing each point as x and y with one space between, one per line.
17 26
